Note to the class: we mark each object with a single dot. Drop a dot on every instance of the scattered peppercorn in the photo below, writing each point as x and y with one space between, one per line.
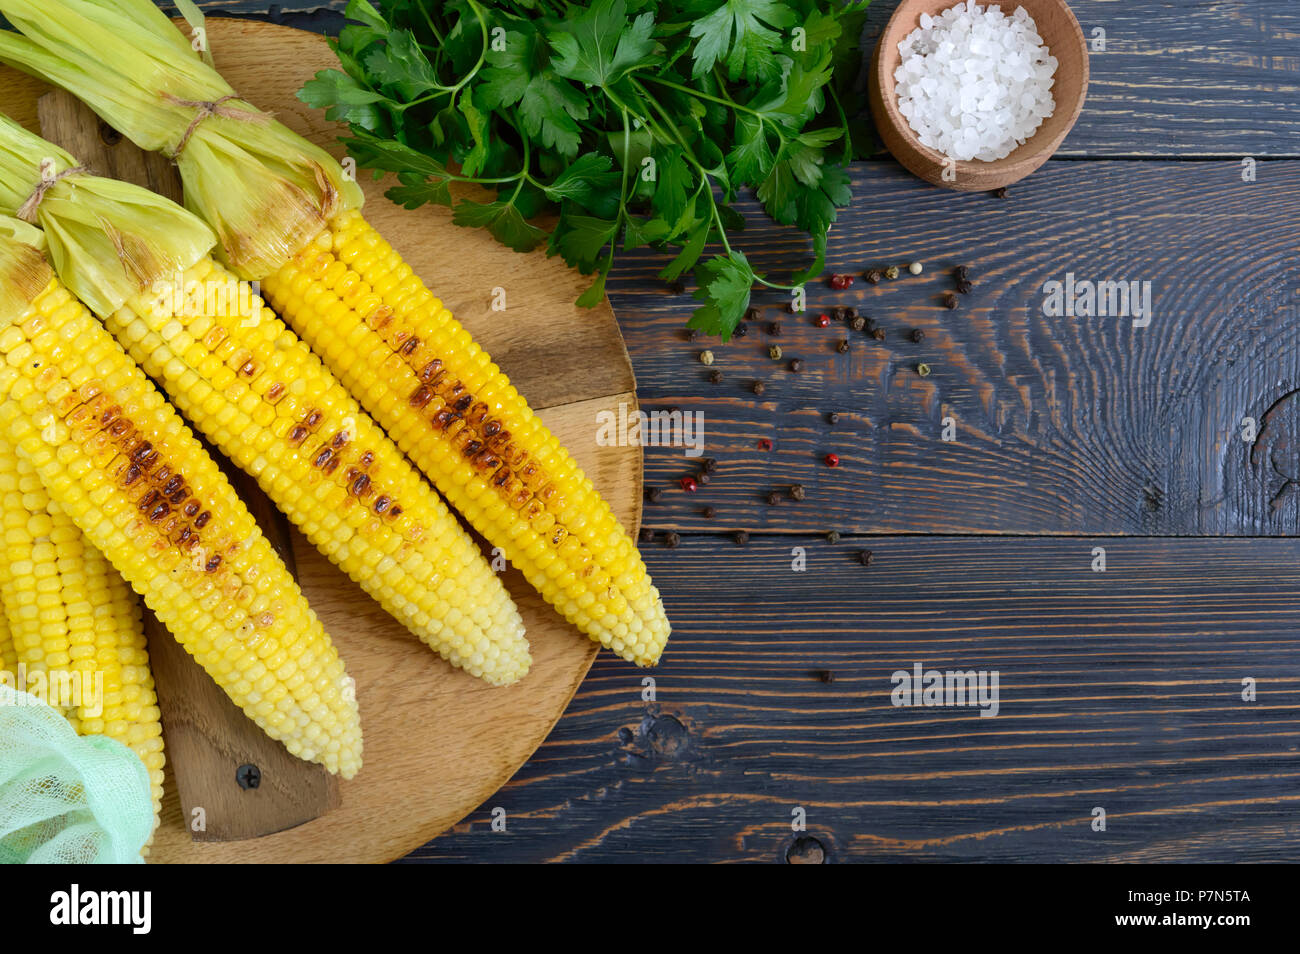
706 357
715 376
858 323
839 313
833 417
865 557
823 321
964 287
710 513
671 540
949 300
646 535
703 477
878 333
764 444
689 485
774 329
773 498
774 352
741 538
923 370
677 288
832 460
872 276
742 329
751 314
691 334
841 282
654 494
796 365
797 492
915 268
891 272
758 387
842 346
825 675
1000 192
833 536
961 273
917 335
710 465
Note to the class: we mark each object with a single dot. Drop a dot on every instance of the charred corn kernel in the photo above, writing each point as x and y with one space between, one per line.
120 463
228 363
438 394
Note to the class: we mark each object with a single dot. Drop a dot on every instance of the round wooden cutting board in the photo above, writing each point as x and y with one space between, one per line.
438 742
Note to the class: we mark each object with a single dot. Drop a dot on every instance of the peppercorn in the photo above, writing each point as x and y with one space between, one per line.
758 387
839 313
703 477
961 273
689 485
742 329
949 300
833 536
653 494
923 370
710 513
823 321
774 352
773 498
858 323
715 376
706 357
671 540
774 329
865 557
646 535
741 538
710 465
832 460
825 675
764 444
891 272
677 288
878 334
751 314
797 492
691 334
850 312
1000 192
872 275
964 287
842 346
833 417
915 268
917 335
796 365
841 282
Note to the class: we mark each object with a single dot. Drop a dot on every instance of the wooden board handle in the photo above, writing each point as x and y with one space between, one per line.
230 775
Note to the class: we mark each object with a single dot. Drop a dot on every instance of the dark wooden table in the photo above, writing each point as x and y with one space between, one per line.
1120 689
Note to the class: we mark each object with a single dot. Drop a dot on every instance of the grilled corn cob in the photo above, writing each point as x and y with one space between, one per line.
119 461
245 380
285 214
8 655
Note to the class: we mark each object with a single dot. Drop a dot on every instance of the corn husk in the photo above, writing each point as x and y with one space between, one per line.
24 272
108 240
264 189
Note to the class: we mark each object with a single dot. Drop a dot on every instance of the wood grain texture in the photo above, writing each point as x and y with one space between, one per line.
1119 689
1193 78
209 740
1062 425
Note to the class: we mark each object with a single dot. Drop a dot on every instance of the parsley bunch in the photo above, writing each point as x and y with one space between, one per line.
621 124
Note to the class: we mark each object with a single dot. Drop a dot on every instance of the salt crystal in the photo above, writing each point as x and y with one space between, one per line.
976 83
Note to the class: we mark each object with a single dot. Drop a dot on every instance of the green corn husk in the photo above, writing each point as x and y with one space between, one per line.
263 188
24 272
108 240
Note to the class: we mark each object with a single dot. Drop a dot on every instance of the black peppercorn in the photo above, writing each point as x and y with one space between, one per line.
742 329
646 535
833 536
825 675
949 300
677 288
703 477
797 492
774 329
692 334
773 498
796 365
710 465
715 376
964 287
653 494
873 276
917 335
741 538
672 540
843 346
833 417
961 273
858 323
758 387
1000 192
878 333
751 314
865 557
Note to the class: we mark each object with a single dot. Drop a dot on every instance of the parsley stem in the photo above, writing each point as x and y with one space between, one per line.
707 96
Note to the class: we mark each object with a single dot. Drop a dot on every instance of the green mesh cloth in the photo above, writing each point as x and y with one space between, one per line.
64 798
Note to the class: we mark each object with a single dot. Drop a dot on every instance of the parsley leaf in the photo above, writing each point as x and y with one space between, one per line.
599 46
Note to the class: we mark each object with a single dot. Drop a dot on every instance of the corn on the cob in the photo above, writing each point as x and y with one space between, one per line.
245 380
119 461
351 298
8 655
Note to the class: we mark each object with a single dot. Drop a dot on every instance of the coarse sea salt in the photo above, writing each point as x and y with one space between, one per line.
975 83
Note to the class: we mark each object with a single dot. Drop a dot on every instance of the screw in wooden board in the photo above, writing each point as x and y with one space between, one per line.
248 776
806 850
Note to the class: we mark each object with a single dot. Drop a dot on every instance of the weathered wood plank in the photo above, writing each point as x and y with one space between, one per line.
1196 78
1119 690
1059 424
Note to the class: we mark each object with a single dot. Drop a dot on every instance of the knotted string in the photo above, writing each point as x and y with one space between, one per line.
27 211
216 107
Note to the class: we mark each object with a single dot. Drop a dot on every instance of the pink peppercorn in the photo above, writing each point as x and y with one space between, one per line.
840 282
764 444
689 485
832 460
823 321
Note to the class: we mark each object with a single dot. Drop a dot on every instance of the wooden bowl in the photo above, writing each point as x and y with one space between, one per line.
1064 38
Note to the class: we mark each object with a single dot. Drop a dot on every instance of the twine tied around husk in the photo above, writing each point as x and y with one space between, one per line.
209 108
27 211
